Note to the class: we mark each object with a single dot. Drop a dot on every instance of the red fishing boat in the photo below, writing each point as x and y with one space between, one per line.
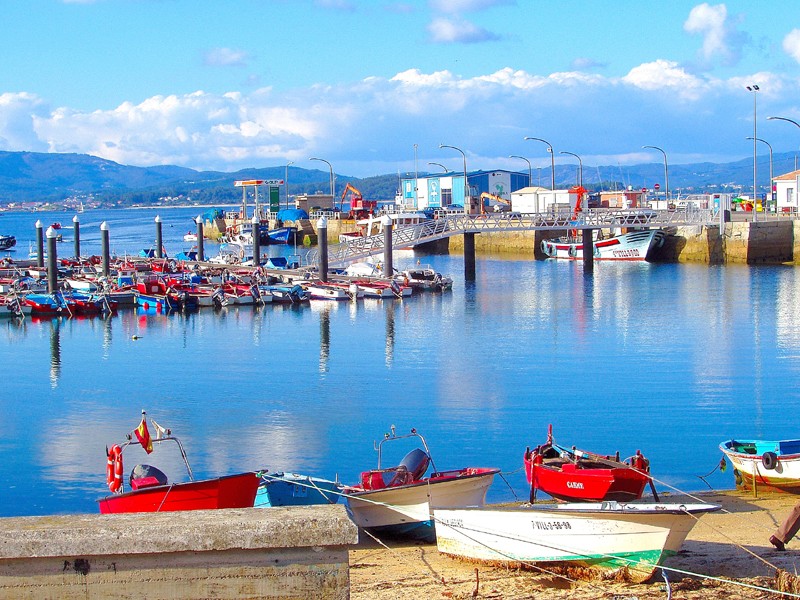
575 475
151 491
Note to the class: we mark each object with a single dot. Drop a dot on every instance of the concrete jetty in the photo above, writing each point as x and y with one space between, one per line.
286 552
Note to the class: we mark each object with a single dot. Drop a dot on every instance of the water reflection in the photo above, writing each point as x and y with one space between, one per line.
324 338
389 309
55 352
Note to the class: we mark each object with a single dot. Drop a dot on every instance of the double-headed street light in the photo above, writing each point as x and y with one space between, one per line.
552 160
333 184
770 168
580 166
530 169
666 173
466 183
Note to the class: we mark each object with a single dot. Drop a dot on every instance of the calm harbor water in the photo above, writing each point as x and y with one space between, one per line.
667 358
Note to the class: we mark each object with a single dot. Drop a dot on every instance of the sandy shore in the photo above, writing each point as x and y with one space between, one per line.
730 544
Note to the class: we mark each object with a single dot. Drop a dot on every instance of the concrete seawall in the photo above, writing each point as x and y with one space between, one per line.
293 552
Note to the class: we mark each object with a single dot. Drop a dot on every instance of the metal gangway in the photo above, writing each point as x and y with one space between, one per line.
450 224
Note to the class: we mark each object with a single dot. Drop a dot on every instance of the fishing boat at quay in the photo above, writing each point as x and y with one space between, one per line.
637 245
765 463
570 474
611 536
397 501
151 491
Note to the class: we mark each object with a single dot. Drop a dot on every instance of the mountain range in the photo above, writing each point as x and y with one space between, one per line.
53 178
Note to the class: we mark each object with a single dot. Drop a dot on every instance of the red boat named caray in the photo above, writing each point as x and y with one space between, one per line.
575 475
150 491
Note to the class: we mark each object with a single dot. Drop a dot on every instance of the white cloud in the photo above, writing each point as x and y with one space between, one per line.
456 29
461 6
225 57
369 127
721 40
791 44
665 75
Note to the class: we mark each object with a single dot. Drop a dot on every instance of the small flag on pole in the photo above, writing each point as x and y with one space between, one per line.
143 435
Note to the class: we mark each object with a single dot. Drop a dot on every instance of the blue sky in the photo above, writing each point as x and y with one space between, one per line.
253 83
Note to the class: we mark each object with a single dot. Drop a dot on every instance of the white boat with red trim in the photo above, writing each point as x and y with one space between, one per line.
637 245
398 501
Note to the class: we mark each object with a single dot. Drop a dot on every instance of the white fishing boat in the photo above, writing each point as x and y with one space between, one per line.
606 535
424 277
635 245
398 501
773 463
327 291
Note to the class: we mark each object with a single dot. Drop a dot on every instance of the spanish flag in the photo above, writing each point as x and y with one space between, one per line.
143 435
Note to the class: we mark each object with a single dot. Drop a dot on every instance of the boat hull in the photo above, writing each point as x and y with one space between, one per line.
292 489
632 246
406 510
605 535
622 484
232 491
749 463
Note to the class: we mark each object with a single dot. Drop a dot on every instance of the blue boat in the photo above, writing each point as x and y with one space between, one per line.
293 489
281 235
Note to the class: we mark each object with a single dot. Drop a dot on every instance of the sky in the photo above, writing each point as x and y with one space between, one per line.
375 86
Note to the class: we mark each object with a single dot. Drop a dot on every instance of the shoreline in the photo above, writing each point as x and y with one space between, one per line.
730 544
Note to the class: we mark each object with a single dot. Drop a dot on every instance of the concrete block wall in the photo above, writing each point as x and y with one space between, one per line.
292 552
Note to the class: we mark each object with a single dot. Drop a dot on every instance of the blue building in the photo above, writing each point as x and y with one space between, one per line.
444 190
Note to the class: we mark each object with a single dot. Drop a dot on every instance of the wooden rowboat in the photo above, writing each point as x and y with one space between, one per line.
773 464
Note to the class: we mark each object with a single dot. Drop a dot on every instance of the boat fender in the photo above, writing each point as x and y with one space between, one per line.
769 460
114 468
573 251
545 248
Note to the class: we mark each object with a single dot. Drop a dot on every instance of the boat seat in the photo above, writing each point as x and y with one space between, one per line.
143 476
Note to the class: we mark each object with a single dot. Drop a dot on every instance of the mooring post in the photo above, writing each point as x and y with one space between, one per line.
76 226
39 244
469 256
52 266
322 240
105 248
588 251
256 241
200 254
159 238
386 221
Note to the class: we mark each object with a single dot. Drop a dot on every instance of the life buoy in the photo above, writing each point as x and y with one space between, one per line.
114 468
769 460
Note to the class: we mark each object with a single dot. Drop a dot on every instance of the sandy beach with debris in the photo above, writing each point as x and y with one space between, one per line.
726 556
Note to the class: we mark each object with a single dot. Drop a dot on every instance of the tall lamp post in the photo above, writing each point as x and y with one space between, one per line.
580 166
286 182
552 160
446 170
416 180
466 183
666 174
770 168
754 88
333 185
530 168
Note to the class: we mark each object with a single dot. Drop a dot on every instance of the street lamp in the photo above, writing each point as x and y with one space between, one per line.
466 184
446 170
580 166
754 88
286 182
333 185
796 124
416 179
666 173
770 168
530 169
552 160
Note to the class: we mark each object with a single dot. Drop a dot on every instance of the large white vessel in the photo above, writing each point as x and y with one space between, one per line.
634 245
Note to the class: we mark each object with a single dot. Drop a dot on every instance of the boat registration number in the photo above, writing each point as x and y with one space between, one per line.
551 525
632 253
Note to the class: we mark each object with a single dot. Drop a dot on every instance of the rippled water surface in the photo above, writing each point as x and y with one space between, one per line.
670 359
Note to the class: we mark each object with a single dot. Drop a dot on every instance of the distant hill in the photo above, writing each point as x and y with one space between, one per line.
42 177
